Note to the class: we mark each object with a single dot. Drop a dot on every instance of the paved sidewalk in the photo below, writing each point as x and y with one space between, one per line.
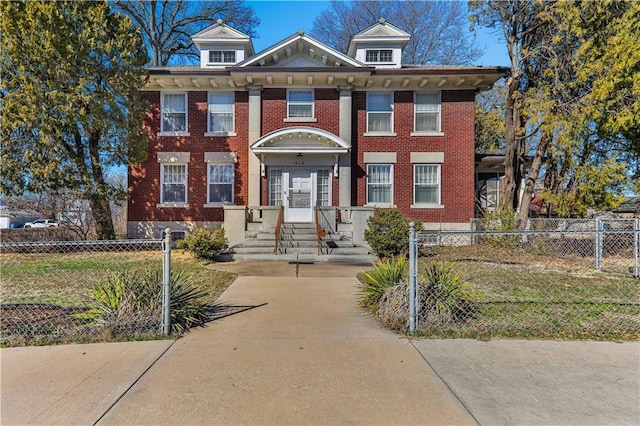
522 382
308 356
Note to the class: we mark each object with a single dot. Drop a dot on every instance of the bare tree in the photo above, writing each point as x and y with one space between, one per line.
438 29
167 26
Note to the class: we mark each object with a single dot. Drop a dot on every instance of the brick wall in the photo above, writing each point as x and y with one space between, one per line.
145 177
457 172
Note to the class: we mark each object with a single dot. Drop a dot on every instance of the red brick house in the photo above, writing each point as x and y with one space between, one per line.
301 125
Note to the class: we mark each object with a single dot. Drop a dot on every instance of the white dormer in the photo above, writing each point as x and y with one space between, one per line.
379 45
222 46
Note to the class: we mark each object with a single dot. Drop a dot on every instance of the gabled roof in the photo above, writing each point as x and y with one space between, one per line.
300 140
300 50
221 33
380 32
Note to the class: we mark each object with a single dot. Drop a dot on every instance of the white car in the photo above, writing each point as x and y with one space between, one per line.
42 223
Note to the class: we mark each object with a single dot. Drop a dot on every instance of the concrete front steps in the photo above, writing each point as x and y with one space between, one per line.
298 242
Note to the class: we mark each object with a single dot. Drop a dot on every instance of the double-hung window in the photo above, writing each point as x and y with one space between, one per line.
427 112
379 55
300 104
220 183
174 112
426 184
380 112
222 56
221 112
380 184
173 183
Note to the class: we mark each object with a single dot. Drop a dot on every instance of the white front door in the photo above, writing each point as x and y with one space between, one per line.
298 195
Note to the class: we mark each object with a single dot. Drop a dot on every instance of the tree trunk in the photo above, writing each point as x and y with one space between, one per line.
101 211
532 176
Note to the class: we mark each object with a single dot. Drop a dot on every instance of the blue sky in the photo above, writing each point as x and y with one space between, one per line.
280 19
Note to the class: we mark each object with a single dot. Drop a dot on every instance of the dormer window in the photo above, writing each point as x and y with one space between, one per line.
379 55
222 56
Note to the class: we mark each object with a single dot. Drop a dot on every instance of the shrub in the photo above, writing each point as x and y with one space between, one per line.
132 303
443 297
204 244
388 233
384 274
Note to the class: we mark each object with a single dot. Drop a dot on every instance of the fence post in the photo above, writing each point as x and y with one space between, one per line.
598 244
166 283
412 278
636 248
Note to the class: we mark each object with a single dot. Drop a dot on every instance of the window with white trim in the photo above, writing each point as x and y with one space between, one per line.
323 186
275 187
222 56
299 103
379 183
426 183
221 112
380 112
220 183
173 178
379 55
174 112
427 112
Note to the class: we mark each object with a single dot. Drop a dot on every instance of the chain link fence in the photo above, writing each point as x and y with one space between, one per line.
75 291
555 279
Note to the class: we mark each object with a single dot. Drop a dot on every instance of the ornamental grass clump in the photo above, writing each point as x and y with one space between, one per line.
385 273
131 303
443 296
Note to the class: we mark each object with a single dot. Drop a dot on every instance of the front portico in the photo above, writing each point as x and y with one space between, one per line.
298 166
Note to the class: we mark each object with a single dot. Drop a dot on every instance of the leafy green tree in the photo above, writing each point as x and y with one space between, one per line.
490 112
438 29
70 98
167 26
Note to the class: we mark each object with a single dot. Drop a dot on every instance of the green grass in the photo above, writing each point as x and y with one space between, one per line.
524 295
67 280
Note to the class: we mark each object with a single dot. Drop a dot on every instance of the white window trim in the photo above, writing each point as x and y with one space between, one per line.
378 55
184 204
269 194
233 184
235 57
210 133
438 132
185 132
311 119
391 171
380 133
438 205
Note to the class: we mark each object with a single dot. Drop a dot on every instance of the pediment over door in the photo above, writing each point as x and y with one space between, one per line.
295 140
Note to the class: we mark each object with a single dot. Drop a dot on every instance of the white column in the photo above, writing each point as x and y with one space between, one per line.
255 106
345 134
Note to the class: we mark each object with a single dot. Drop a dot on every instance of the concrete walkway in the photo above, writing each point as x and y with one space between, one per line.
296 350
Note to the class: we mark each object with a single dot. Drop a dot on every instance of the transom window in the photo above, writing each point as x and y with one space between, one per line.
379 55
174 112
300 103
426 183
222 56
380 112
275 187
173 183
221 112
221 179
379 183
427 112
